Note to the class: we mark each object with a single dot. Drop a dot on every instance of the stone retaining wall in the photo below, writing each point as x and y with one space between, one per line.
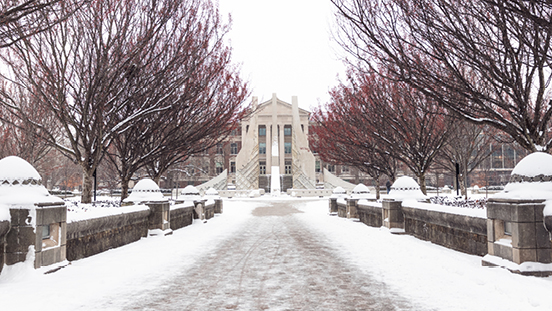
370 214
92 236
4 228
467 234
462 233
182 215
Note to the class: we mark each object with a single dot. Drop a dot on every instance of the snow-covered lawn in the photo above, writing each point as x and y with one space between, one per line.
429 275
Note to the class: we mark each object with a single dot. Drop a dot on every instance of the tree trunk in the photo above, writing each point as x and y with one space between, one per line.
377 188
124 187
87 185
421 177
157 178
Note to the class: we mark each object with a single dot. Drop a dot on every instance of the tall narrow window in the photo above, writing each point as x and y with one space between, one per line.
262 167
219 148
232 167
262 148
287 148
233 148
317 166
219 167
287 168
262 130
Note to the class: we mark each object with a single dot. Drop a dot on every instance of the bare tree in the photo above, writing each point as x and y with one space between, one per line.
396 119
82 71
468 145
24 18
337 141
487 61
19 137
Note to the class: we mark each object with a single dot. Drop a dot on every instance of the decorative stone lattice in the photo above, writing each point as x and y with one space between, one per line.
247 178
521 178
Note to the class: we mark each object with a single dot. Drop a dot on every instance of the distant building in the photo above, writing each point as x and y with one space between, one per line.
274 135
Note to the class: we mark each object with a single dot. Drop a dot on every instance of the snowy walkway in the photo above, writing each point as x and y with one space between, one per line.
273 262
271 254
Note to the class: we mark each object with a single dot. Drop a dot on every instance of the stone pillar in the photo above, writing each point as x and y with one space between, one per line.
160 217
4 229
392 215
333 205
352 205
515 232
53 248
20 237
198 210
42 230
218 206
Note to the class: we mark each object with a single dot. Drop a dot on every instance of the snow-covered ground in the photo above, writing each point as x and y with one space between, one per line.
430 276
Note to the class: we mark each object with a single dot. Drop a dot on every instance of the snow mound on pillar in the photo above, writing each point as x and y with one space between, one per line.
360 192
338 193
212 194
531 179
190 193
146 190
406 188
21 185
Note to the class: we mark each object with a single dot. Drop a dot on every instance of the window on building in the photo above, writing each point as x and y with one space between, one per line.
287 148
219 167
287 130
262 130
331 168
344 168
262 167
232 167
317 166
233 148
262 148
206 169
219 148
287 168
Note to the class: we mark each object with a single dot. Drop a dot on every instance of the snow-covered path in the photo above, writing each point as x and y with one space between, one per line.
275 254
273 262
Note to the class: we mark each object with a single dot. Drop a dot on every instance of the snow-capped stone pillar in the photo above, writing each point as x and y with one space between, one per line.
337 193
360 192
38 220
212 194
190 193
404 188
516 219
352 208
147 192
392 215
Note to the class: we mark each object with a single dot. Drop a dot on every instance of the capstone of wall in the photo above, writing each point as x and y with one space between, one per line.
92 236
459 232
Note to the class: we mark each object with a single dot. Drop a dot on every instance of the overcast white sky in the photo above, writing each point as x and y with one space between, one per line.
284 47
